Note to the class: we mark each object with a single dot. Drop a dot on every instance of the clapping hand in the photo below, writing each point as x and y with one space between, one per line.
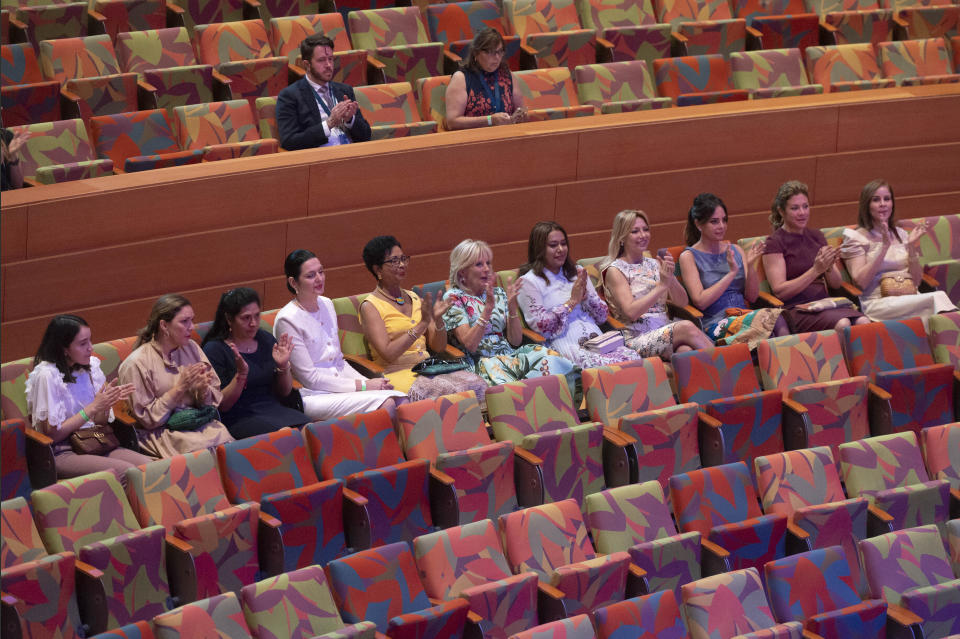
731 256
913 238
241 364
282 350
579 290
110 394
756 251
668 267
520 115
826 258
513 291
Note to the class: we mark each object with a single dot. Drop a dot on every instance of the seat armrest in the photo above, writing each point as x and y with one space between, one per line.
879 411
181 570
796 424
714 559
453 352
91 597
356 520
798 539
710 436
444 507
619 456
40 463
550 605
688 312
527 478
902 616
879 521
929 282
768 299
530 335
637 581
175 15
364 365
269 545
809 634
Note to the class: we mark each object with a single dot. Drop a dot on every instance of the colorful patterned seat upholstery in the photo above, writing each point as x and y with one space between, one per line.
578 627
398 38
702 79
391 110
780 24
88 68
895 355
618 87
49 21
941 450
286 34
275 471
123 16
551 32
771 73
363 451
211 11
165 59
109 538
184 495
655 616
888 470
929 21
382 585
913 62
241 52
139 141
450 432
853 21
953 544
468 562
222 129
910 568
267 117
552 541
732 604
631 26
846 67
549 94
805 486
433 100
21 539
940 245
636 400
298 605
817 589
27 459
26 96
455 23
636 519
270 9
722 381
538 415
139 630
60 152
809 369
40 598
707 26
218 616
721 504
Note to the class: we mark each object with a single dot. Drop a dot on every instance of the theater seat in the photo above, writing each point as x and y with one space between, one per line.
223 130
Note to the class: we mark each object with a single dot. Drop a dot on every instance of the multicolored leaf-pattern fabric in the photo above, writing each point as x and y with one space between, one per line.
846 67
666 441
210 11
771 73
217 617
139 630
698 79
677 11
398 38
467 561
353 443
70 58
267 117
52 21
129 139
350 65
391 110
817 589
224 547
953 543
655 616
618 87
241 51
721 504
552 541
717 36
895 354
930 22
221 129
297 605
275 470
45 597
941 448
130 15
910 568
19 64
455 24
382 584
30 103
530 406
445 424
712 373
614 392
805 484
630 26
793 31
433 100
398 500
168 491
62 151
636 519
13 447
552 28
21 540
729 605
549 94
483 480
578 627
138 51
888 470
912 62
572 461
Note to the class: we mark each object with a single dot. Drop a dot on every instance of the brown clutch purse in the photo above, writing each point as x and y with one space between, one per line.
95 440
898 284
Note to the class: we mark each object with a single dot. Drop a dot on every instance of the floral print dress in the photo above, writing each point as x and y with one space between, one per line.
652 334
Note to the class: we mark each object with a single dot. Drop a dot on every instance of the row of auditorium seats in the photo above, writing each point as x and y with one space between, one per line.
114 137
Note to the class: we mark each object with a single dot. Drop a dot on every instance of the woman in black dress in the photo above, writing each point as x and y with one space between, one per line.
254 368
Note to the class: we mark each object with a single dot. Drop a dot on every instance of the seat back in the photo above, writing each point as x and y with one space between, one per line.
900 561
576 627
155 49
613 392
13 448
607 14
232 42
202 125
755 8
287 33
628 83
698 79
713 373
168 491
543 538
349 331
59 152
677 11
703 499
890 345
21 539
218 616
541 16
547 88
845 66
445 424
916 61
654 616
727 605
128 135
945 338
43 599
73 58
391 109
805 358
55 20
296 604
880 463
267 118
941 450
353 443
529 406
798 478
931 22
255 467
19 65
124 16
457 21
391 27
433 103
768 69
622 517
210 11
456 559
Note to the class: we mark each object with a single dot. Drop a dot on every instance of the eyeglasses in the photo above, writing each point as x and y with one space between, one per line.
399 260
497 54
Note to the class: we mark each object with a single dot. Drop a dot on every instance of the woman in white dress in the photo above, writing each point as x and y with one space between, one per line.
879 249
331 387
559 301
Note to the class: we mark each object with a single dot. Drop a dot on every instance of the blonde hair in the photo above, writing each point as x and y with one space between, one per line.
786 191
622 225
465 254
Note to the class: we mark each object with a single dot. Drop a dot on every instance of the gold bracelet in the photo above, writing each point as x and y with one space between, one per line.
412 333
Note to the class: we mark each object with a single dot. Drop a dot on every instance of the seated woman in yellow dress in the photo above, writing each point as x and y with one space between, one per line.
399 325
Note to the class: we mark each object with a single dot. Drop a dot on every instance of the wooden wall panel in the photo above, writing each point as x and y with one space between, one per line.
13 239
908 206
682 144
871 125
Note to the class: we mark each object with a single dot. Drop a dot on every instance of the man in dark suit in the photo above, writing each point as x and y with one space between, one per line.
314 111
